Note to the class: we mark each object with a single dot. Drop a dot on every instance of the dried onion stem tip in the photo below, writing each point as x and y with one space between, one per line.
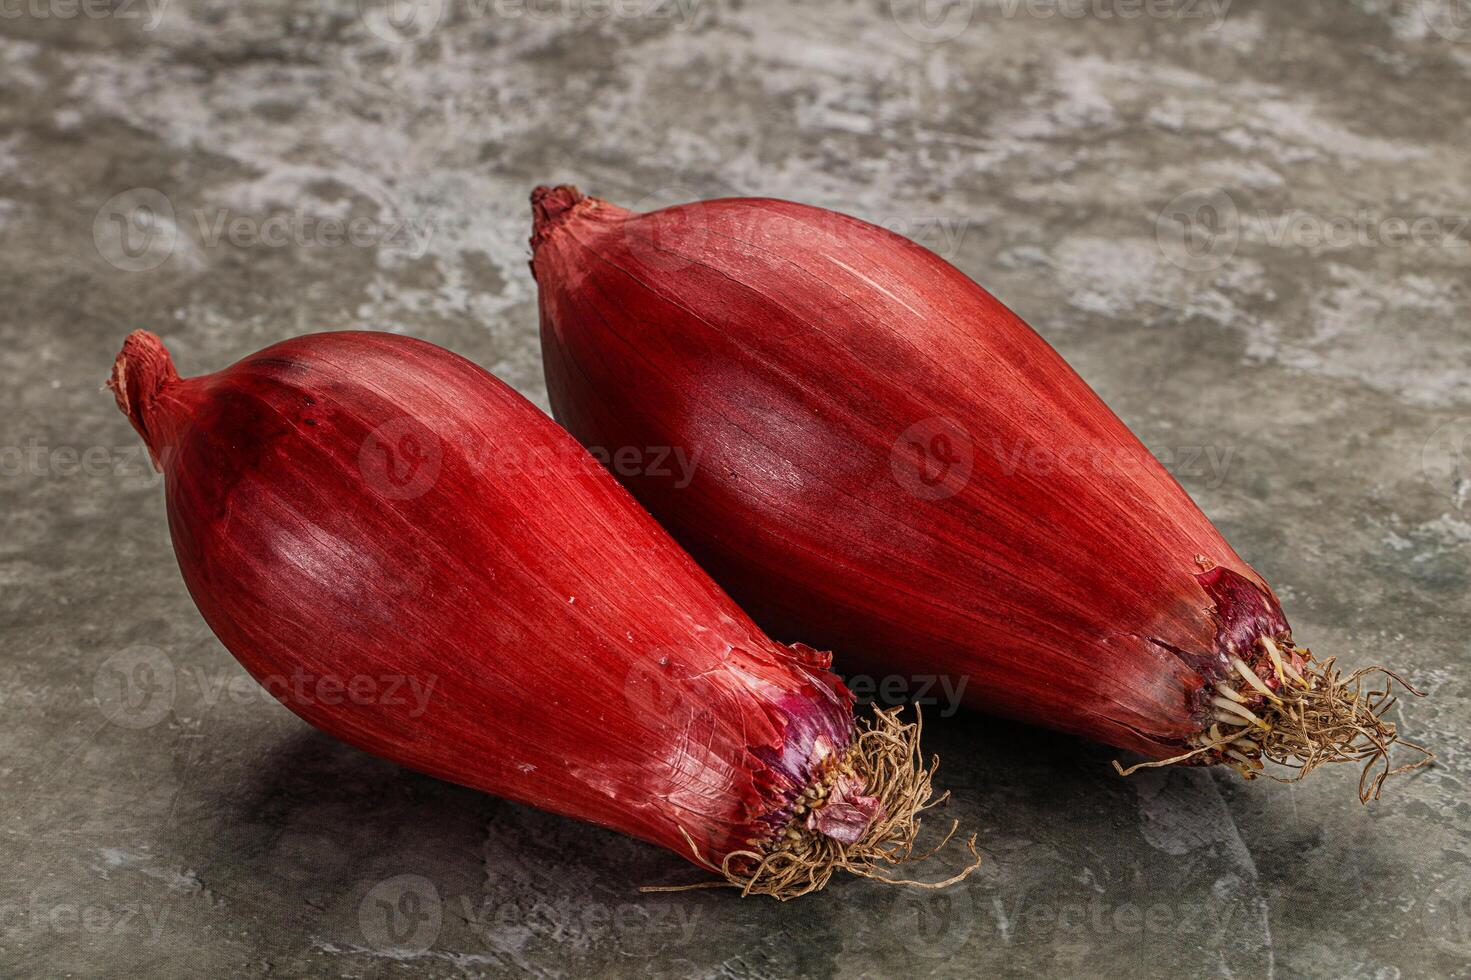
550 206
1299 712
141 373
884 776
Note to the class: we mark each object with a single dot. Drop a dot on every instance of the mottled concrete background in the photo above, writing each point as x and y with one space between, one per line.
1246 223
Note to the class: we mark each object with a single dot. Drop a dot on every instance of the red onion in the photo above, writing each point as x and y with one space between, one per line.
351 509
865 419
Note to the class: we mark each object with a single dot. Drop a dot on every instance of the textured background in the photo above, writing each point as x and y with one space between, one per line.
1245 223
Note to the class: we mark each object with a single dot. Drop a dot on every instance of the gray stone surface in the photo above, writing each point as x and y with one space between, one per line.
1305 369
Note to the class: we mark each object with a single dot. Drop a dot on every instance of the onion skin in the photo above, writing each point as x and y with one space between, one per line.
364 507
863 414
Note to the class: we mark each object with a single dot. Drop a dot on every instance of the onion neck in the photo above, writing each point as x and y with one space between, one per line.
550 206
141 375
555 208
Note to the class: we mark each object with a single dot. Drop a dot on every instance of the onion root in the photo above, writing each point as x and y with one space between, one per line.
1317 715
888 760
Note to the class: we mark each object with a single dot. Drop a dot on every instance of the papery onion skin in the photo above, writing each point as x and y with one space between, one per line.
871 428
363 508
